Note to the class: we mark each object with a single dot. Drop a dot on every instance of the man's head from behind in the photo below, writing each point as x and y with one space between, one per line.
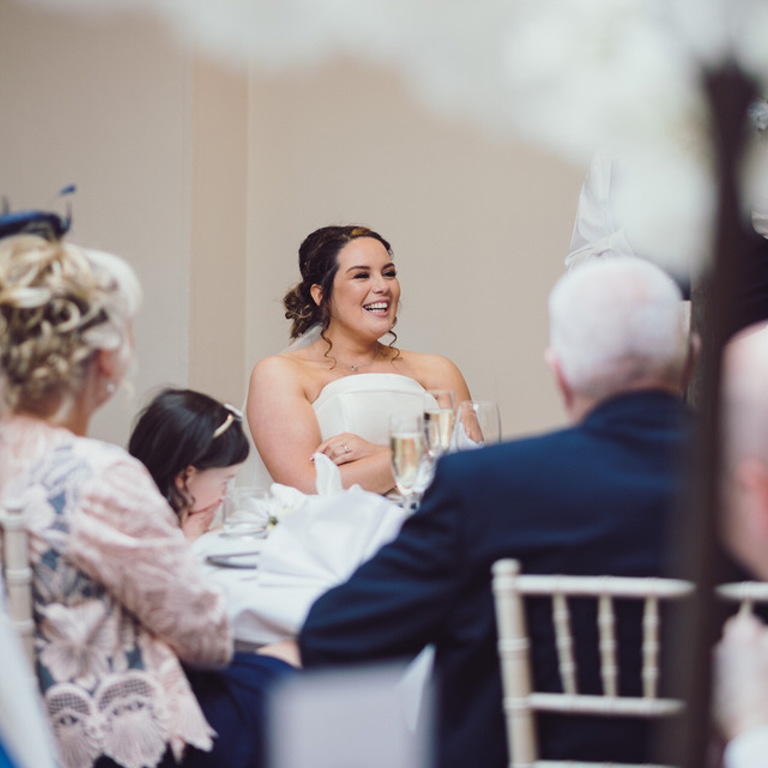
616 325
745 456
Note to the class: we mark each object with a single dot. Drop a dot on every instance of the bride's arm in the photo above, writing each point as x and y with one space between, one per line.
360 462
282 422
286 433
438 372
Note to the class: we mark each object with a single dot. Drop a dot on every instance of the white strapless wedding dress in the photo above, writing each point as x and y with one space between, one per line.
362 404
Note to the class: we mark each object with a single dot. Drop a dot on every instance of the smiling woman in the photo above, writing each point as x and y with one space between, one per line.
335 387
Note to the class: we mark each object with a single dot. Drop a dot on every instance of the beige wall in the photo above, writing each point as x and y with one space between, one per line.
207 179
479 224
106 106
219 207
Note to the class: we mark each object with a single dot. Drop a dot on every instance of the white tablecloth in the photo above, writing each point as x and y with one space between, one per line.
318 545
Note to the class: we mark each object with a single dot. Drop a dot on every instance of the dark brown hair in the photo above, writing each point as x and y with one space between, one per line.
318 263
178 429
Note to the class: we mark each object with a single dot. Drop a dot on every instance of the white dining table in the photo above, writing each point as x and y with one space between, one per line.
318 544
314 547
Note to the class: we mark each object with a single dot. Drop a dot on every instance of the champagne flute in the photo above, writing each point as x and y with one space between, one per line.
439 415
408 451
478 423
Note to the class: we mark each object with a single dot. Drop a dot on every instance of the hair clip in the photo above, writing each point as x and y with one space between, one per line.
234 413
220 430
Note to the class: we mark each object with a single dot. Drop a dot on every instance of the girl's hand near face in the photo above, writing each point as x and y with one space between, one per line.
195 524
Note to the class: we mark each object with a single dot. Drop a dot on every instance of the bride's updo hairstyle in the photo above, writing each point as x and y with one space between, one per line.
318 263
58 304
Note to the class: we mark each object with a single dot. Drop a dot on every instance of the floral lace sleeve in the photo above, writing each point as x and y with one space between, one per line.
129 541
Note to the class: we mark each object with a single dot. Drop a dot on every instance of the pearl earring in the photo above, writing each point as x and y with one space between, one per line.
111 387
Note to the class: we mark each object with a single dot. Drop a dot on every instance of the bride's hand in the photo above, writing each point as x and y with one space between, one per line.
346 447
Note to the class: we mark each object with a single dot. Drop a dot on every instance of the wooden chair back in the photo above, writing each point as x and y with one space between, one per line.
745 593
17 574
521 702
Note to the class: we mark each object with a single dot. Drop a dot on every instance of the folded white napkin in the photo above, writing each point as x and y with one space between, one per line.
328 535
327 476
327 481
318 545
287 496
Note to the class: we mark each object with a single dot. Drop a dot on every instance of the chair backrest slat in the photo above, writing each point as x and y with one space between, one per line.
746 593
17 573
651 647
561 620
513 646
606 626
592 586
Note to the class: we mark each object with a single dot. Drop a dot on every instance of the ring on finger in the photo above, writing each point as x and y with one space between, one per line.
346 448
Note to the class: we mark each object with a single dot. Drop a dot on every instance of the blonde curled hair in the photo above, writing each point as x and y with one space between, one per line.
58 304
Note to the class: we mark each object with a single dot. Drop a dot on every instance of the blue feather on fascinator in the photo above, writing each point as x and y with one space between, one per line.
51 226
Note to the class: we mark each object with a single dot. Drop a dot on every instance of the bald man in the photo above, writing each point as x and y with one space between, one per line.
741 670
591 499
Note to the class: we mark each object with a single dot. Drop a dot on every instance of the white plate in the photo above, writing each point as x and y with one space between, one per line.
213 543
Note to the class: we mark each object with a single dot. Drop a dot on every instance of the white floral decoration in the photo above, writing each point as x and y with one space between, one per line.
621 76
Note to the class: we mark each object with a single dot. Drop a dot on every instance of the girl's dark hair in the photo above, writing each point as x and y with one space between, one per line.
179 429
318 263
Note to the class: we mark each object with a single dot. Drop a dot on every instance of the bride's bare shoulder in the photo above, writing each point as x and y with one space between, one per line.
425 363
285 369
432 371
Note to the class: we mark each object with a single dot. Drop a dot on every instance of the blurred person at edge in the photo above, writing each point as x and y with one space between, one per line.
741 658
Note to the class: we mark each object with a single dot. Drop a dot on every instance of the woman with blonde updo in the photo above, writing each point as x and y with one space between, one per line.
120 602
334 389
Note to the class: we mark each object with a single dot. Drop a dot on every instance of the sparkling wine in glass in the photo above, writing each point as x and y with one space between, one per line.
408 451
439 415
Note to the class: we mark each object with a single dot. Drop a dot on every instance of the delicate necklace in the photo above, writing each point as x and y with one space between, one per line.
357 367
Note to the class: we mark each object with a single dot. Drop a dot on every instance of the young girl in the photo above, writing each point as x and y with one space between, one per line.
193 446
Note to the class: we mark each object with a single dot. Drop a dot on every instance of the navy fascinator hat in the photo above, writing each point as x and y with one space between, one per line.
46 224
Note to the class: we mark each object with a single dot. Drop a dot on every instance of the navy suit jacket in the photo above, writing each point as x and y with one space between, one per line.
592 499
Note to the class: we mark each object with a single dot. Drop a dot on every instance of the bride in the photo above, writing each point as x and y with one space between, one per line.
335 387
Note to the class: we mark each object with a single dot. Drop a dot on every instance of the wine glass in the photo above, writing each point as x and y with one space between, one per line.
478 423
408 451
439 413
246 512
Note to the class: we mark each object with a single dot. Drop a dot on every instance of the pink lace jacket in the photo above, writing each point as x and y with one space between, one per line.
118 599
